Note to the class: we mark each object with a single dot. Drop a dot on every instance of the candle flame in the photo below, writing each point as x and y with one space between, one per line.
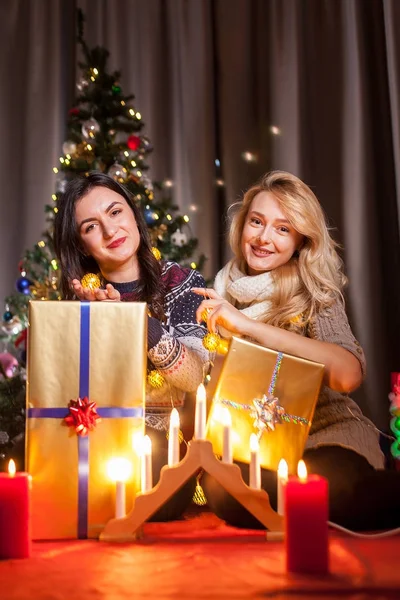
254 445
201 393
283 470
119 469
226 417
11 468
146 447
302 471
174 418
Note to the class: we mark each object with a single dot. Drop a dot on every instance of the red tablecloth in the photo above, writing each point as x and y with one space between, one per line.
198 558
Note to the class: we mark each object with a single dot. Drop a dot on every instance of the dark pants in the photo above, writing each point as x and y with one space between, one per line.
360 497
173 508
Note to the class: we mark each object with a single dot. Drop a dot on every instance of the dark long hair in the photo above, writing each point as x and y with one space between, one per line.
69 250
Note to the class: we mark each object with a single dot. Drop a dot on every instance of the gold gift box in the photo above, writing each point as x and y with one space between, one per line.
246 375
116 378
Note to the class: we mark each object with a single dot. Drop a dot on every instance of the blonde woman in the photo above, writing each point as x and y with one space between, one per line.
283 289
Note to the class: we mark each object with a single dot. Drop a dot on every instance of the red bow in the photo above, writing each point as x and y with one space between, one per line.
82 416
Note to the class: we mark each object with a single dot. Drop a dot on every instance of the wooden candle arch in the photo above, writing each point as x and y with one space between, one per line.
199 455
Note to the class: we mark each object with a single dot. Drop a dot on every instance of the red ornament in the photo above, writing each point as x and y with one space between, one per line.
82 416
73 112
133 142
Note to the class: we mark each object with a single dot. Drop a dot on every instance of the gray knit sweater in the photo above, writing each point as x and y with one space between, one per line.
337 419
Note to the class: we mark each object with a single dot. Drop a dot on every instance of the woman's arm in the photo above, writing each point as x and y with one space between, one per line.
177 351
343 371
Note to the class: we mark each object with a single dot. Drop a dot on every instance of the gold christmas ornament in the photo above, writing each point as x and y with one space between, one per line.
204 314
211 341
156 253
155 379
199 497
91 281
180 436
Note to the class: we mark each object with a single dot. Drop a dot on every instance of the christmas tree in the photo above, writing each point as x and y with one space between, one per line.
104 133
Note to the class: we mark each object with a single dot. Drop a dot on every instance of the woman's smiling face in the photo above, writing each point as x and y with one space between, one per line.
268 239
107 228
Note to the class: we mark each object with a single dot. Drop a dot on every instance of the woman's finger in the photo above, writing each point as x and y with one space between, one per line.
206 305
207 293
112 293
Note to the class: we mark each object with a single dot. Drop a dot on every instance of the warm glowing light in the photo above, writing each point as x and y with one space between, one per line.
55 209
68 156
139 173
137 442
41 244
126 153
208 377
11 468
67 162
61 159
302 471
131 112
122 102
95 71
54 197
174 418
201 393
119 469
283 471
89 147
275 130
138 115
249 157
55 170
133 163
193 265
146 445
168 183
254 445
186 218
217 414
54 264
169 218
92 78
220 182
226 417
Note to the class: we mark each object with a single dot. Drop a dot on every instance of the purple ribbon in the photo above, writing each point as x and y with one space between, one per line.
113 412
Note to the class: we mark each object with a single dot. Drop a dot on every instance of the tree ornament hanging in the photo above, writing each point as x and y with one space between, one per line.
156 253
155 379
145 145
179 238
82 84
133 142
118 172
90 128
69 147
22 285
150 216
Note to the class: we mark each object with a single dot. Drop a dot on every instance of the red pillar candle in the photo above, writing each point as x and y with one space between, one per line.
306 523
14 514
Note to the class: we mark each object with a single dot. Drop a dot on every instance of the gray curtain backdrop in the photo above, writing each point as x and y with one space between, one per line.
310 86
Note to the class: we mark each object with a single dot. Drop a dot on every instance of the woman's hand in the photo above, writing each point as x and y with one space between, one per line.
109 293
220 313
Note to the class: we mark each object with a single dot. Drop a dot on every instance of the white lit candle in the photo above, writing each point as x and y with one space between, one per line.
119 470
173 439
147 469
282 478
255 471
227 436
200 414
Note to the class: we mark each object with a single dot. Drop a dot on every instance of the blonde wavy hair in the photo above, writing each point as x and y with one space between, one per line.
313 278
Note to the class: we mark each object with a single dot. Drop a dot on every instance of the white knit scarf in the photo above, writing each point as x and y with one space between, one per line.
248 293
